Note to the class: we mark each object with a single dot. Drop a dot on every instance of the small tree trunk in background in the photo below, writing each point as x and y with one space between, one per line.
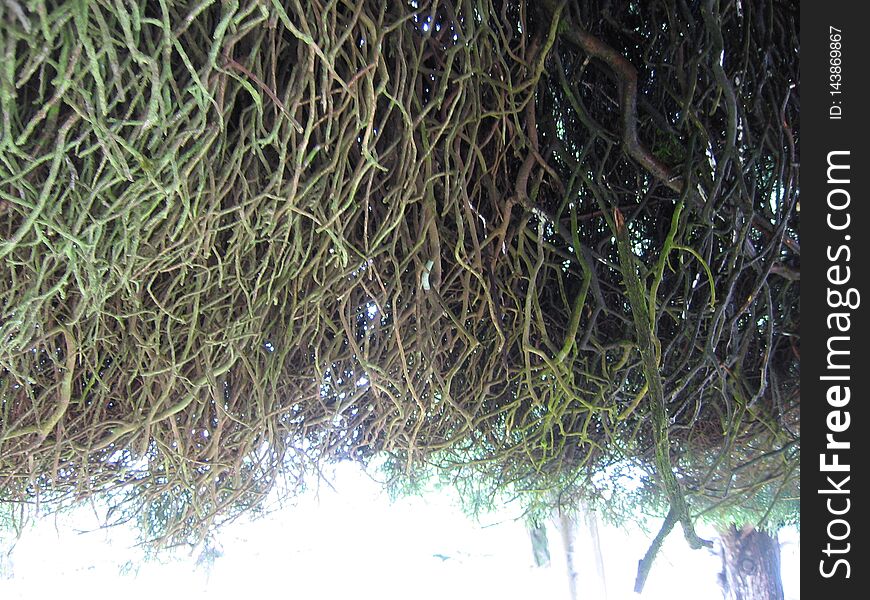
567 529
580 549
750 564
540 544
6 569
595 539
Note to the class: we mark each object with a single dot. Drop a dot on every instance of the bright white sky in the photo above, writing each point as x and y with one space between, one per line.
353 543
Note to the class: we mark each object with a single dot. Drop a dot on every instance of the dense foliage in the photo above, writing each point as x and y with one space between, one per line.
533 243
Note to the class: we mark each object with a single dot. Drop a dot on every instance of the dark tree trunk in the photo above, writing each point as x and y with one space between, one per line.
750 564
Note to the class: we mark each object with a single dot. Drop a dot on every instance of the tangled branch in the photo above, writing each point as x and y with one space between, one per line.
242 240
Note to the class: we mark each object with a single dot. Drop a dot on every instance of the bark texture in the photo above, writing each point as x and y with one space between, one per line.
750 564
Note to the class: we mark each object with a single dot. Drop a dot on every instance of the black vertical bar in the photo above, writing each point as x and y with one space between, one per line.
835 369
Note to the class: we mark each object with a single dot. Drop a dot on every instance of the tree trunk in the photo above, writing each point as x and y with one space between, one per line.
581 549
750 564
597 555
567 527
540 544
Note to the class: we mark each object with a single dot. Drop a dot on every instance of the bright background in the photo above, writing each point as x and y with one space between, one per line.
348 540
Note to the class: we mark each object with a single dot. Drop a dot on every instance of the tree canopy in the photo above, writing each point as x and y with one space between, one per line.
531 243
